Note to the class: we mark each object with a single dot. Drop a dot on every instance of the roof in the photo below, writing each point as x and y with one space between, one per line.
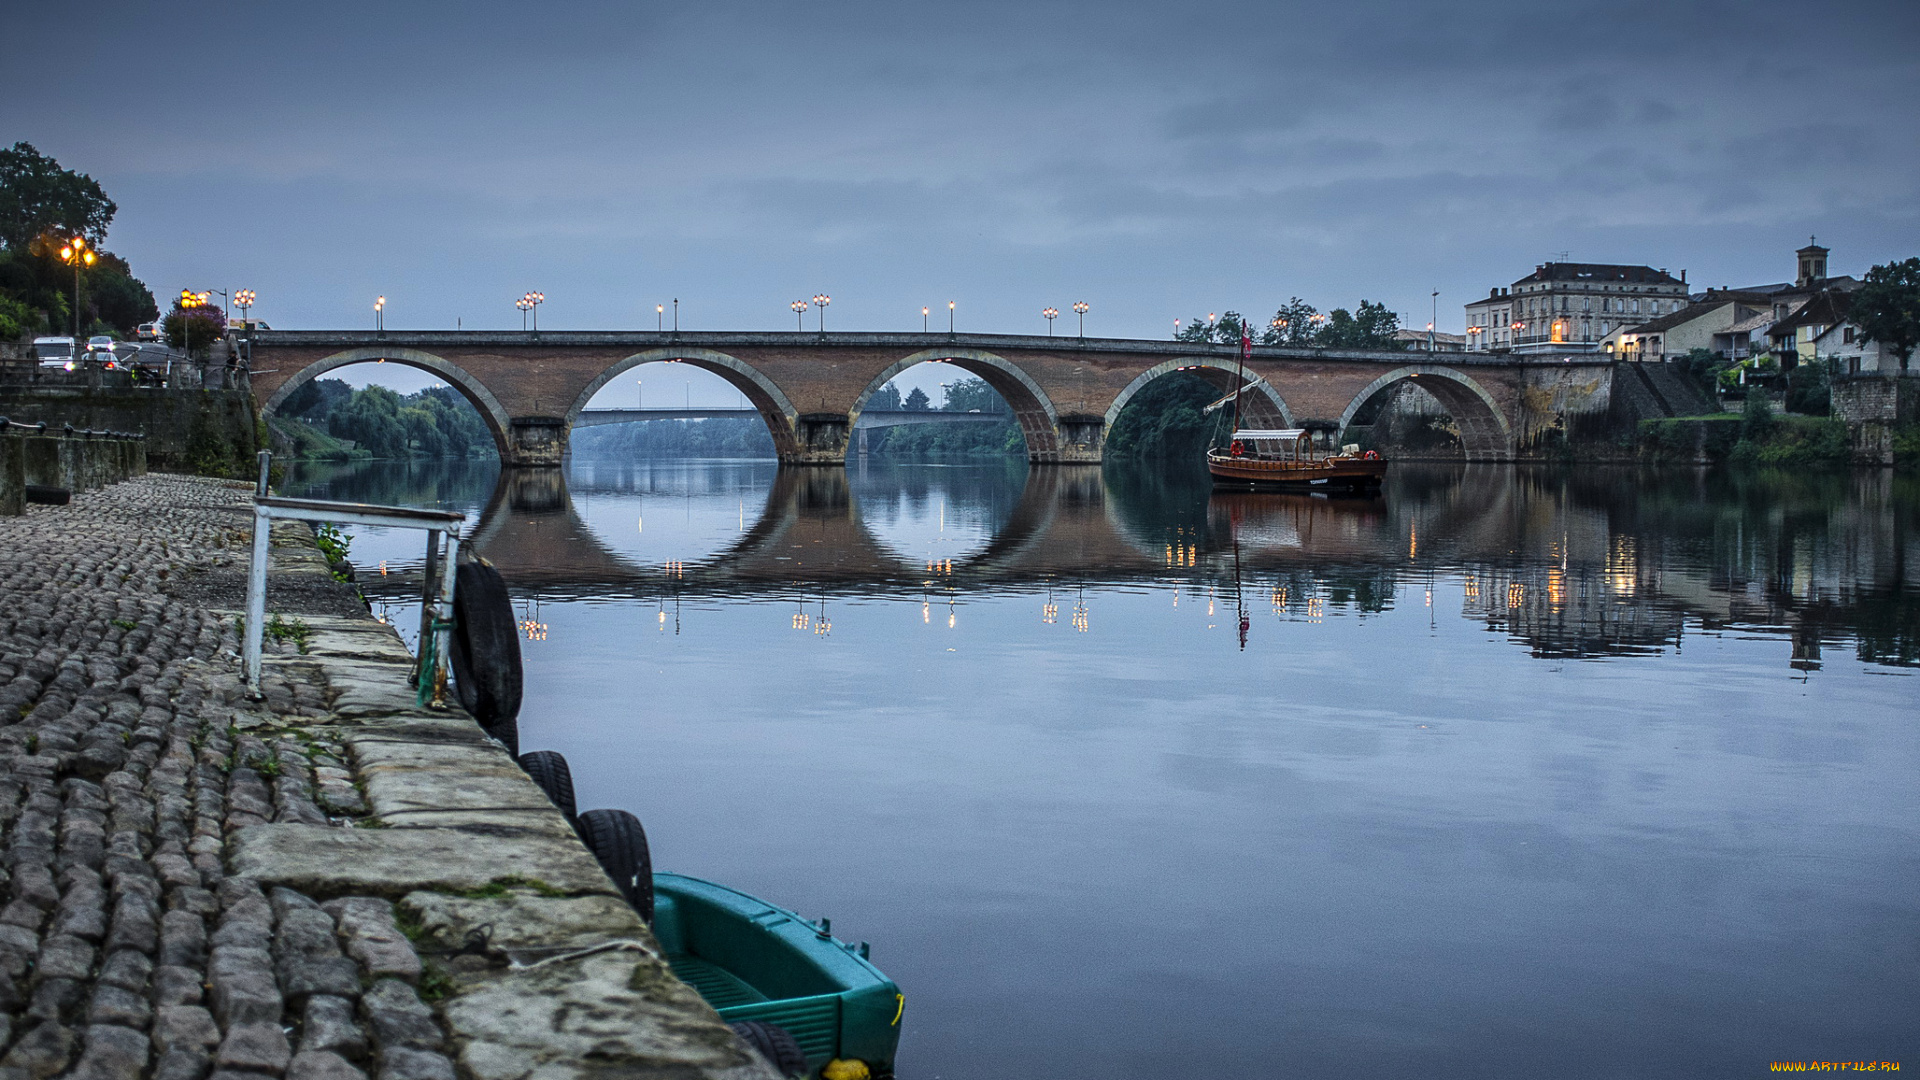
1844 283
1636 275
1283 434
1682 317
1825 309
1751 323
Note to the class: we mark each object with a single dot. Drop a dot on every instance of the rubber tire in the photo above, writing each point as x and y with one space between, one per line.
506 733
617 840
549 770
485 650
773 1042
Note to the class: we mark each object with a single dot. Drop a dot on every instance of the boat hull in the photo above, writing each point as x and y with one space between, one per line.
753 961
1335 474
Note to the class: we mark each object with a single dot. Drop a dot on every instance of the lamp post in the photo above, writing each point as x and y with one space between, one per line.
1080 308
821 301
1514 339
1050 314
76 254
244 301
533 300
924 312
949 318
380 315
525 305
187 302
799 309
660 317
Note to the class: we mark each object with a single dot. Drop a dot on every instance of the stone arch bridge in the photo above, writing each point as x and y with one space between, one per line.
1065 393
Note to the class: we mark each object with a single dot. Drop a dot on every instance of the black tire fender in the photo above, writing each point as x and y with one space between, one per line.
549 770
617 840
773 1042
485 650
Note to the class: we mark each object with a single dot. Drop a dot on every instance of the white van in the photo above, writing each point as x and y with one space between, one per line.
54 352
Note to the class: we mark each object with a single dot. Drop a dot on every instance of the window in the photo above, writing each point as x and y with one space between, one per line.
1586 303
1636 306
1847 334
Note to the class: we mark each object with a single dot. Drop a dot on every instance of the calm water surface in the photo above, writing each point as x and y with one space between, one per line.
1505 773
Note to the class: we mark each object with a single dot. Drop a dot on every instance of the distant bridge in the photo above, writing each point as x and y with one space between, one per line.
1065 393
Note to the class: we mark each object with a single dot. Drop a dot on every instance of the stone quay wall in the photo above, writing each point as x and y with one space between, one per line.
1875 407
75 460
308 886
211 432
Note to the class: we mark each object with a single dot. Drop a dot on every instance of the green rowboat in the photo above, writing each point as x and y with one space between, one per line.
754 961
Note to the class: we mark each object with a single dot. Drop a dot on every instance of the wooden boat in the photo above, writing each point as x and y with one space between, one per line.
1284 459
754 961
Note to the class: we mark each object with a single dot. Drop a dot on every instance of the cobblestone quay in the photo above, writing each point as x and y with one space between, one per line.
308 886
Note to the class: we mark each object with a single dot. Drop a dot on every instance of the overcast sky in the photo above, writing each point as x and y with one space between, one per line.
1155 160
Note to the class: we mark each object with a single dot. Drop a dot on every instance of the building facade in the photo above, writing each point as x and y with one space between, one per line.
1572 307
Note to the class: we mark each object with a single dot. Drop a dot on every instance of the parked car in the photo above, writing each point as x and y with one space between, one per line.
149 331
54 352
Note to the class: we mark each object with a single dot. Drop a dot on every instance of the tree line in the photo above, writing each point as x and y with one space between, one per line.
43 207
1301 325
381 423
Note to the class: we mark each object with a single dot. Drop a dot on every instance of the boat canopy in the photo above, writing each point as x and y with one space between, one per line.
1281 434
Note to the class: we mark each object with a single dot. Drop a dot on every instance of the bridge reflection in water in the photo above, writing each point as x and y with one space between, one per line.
1570 565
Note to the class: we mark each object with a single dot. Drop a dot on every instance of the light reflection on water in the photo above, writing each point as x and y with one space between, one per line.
1508 773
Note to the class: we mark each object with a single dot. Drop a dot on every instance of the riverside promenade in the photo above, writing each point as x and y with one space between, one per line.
325 884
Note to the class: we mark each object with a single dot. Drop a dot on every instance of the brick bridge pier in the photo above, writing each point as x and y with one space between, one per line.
1065 392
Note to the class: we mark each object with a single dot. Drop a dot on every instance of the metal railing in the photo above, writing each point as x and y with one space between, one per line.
429 677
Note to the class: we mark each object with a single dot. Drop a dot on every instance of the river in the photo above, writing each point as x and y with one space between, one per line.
1506 773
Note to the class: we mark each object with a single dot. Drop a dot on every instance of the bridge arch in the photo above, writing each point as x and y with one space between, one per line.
1032 408
1484 432
1262 405
769 399
476 392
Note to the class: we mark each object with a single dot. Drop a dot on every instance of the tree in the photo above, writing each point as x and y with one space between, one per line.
1296 325
189 329
887 397
316 399
118 298
1372 327
38 196
918 401
1887 308
973 395
17 320
1225 330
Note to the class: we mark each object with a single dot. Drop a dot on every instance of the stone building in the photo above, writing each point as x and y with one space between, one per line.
1710 323
1571 307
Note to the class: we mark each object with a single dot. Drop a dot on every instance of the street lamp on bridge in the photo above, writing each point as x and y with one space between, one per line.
659 316
799 309
924 312
380 314
821 301
532 302
1080 308
1050 314
949 318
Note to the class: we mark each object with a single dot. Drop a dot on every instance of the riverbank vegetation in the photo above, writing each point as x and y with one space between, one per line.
328 419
